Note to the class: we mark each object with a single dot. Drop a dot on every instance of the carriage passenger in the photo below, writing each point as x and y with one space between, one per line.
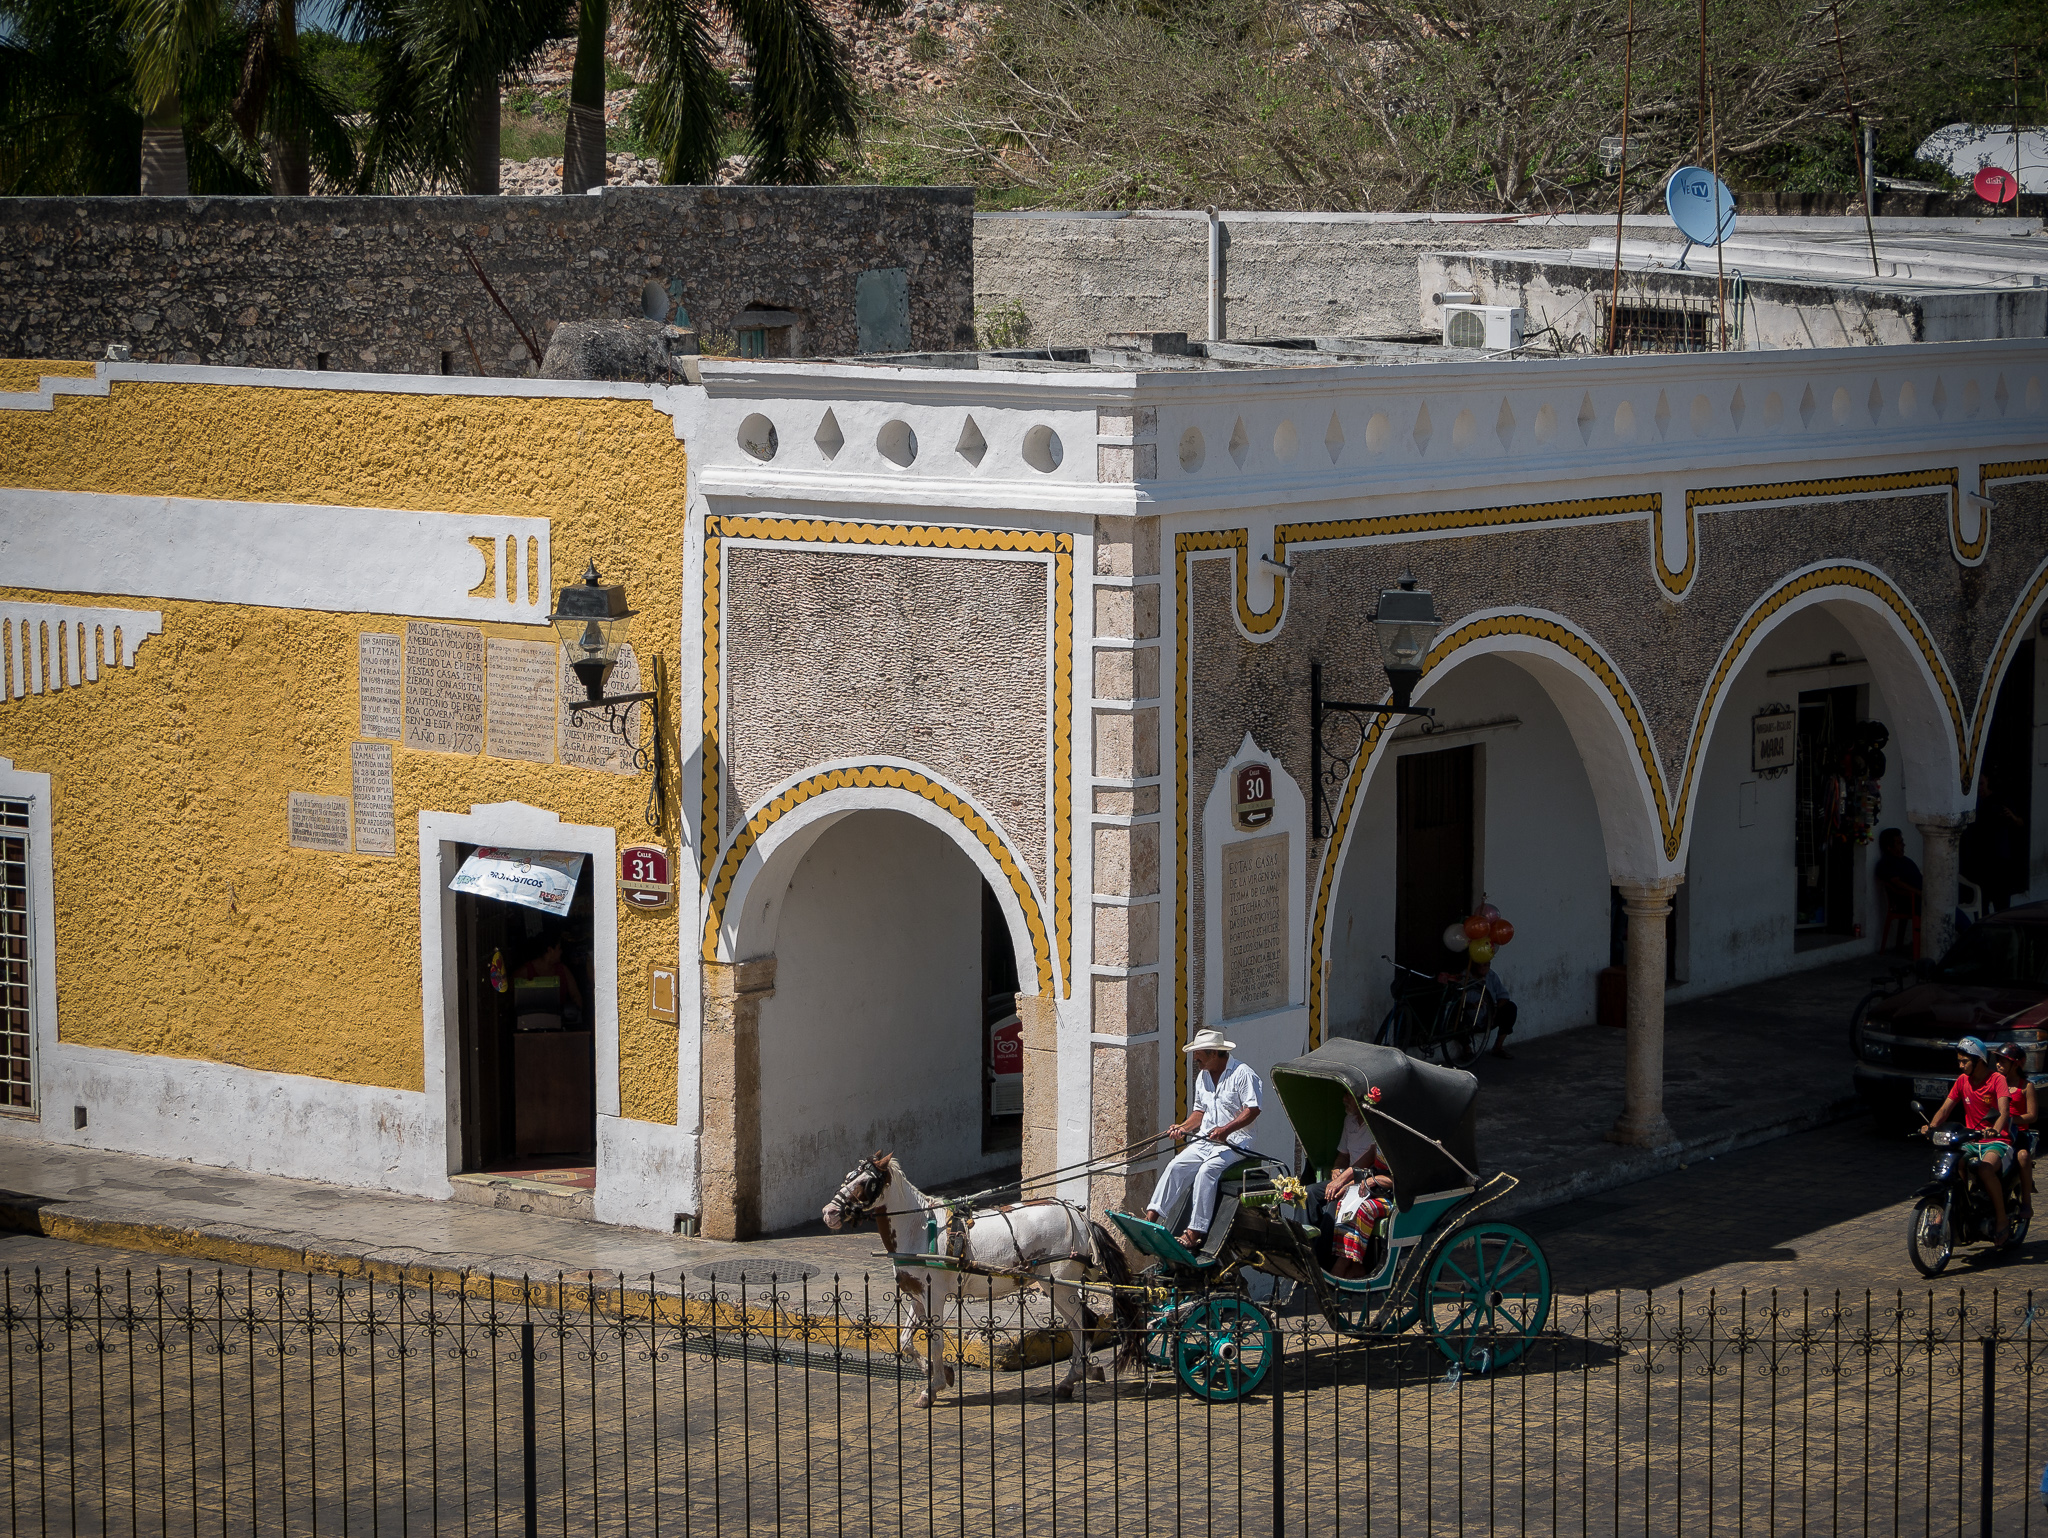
1362 1190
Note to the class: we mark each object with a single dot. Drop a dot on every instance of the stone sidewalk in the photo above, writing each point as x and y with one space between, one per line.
1741 1068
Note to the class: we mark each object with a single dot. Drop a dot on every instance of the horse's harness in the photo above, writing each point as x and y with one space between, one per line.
866 1184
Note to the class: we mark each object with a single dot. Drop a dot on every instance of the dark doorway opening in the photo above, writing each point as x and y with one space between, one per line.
1997 844
1002 1047
1434 844
1825 848
526 991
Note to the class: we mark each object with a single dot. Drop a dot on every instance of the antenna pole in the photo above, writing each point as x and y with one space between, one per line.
1621 188
1720 234
2015 131
1699 132
1856 138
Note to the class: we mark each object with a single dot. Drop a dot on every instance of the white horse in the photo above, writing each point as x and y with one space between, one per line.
1049 1244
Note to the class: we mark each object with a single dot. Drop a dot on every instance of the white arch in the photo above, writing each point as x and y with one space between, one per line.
753 906
1919 697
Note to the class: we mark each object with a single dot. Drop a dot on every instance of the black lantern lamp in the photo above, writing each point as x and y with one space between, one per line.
592 618
1406 624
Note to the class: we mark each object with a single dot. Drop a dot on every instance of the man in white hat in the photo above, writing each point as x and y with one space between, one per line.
1226 1103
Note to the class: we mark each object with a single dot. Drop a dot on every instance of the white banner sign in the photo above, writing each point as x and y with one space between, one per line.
534 878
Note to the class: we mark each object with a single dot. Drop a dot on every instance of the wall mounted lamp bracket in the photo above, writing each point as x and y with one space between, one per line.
1330 770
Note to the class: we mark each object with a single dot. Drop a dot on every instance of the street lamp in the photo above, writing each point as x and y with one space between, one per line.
591 618
1405 623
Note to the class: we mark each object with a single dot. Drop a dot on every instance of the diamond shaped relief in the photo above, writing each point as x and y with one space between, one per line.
1586 418
1240 443
829 438
1737 407
1333 440
1662 415
1504 424
1807 407
1423 431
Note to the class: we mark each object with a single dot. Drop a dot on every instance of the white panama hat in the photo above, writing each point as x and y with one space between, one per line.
1210 1041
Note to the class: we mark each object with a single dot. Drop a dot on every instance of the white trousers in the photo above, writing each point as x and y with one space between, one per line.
1203 1163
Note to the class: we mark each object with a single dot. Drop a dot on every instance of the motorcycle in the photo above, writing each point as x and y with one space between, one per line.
1952 1208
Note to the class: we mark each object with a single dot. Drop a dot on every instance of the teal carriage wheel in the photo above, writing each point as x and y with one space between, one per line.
1223 1348
1488 1296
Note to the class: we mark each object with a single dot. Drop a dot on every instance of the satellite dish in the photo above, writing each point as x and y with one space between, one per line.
1995 184
1701 206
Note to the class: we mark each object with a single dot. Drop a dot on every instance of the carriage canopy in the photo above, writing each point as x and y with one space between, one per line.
1423 1122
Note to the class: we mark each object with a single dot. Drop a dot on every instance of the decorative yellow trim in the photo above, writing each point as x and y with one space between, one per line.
2021 622
821 531
1676 582
886 777
2002 470
1443 522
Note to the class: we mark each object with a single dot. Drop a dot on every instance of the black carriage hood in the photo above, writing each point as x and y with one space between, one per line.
1421 1106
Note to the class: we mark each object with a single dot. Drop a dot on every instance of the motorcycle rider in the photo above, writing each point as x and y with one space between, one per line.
1986 1107
2025 1122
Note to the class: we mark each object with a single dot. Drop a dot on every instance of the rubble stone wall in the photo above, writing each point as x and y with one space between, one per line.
381 285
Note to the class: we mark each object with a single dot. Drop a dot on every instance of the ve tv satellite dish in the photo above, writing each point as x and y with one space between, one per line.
1701 206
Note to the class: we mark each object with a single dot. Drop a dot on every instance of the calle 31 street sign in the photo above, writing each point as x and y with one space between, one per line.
644 876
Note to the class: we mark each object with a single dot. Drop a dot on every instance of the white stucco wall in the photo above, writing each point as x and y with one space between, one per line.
870 1040
1739 872
1540 857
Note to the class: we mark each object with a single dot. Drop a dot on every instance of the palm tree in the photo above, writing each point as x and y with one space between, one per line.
159 96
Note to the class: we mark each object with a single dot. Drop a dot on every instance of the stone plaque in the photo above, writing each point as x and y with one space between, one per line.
586 741
1254 925
370 774
444 687
522 700
377 655
318 822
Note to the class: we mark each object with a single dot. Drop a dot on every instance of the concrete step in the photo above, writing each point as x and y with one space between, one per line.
513 1193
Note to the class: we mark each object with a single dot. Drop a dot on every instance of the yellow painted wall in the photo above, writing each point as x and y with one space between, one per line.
185 925
20 376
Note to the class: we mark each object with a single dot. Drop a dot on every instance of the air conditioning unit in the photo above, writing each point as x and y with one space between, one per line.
1483 327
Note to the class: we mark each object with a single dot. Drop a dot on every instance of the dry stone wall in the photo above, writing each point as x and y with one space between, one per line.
381 285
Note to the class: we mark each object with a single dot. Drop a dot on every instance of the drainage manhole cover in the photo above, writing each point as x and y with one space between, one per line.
755 1273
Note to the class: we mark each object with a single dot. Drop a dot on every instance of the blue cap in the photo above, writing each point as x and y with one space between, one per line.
1974 1048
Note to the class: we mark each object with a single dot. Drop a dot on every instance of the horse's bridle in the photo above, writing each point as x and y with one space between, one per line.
860 1193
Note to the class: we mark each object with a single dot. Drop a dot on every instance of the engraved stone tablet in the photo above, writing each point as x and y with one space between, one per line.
587 742
444 687
1254 925
377 685
522 700
318 822
370 771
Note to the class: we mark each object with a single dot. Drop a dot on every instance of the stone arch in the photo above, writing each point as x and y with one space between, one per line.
1926 709
1606 725
2025 612
744 903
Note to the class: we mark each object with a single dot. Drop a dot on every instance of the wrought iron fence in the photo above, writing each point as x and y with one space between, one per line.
184 1402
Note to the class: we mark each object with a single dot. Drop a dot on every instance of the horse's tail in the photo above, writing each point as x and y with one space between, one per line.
1130 1314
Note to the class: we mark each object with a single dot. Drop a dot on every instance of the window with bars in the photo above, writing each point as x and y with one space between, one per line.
17 1016
1667 323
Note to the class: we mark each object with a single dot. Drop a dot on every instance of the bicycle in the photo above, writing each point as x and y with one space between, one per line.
1449 1023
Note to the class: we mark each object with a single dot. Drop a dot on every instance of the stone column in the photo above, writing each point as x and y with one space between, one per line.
1643 1123
1038 1019
730 1147
1941 835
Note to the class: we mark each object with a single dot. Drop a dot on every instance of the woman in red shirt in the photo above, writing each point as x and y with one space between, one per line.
1986 1105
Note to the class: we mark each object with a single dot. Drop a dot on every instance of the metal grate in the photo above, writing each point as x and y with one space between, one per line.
1666 323
17 1017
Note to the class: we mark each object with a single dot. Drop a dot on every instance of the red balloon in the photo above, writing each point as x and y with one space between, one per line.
1477 927
1502 932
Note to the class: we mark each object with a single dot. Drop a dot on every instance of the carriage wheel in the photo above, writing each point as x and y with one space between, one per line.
1224 1348
1488 1296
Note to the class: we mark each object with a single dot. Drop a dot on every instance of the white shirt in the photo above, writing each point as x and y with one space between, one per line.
1355 1145
1220 1104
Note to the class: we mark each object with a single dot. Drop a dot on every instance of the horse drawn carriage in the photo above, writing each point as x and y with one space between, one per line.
1480 1289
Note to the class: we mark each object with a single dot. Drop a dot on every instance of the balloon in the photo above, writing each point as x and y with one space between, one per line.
1480 950
1454 937
1488 910
1476 927
1502 932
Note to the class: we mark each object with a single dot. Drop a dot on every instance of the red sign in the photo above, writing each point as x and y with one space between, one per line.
644 879
1252 806
1006 1065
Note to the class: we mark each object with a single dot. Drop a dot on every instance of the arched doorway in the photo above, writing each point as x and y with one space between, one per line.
895 988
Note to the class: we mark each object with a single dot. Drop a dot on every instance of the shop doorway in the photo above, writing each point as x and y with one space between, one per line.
525 995
1002 1043
1434 843
1824 841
